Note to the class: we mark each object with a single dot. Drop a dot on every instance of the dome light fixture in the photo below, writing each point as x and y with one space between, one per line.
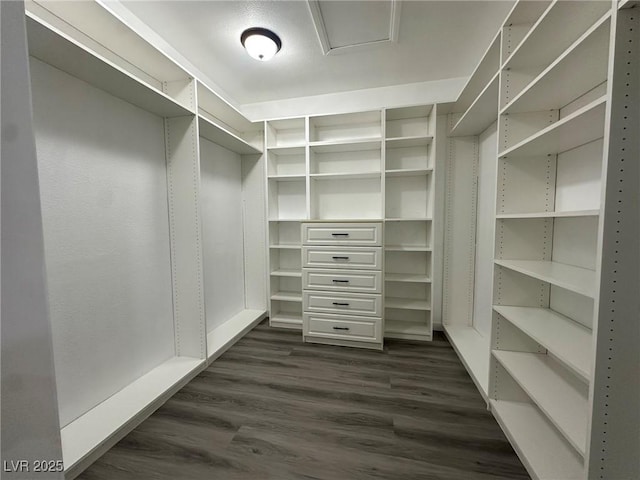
260 43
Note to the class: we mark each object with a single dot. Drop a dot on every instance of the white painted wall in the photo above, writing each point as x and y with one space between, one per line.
104 201
221 202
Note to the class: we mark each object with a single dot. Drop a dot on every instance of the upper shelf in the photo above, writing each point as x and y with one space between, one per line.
224 138
59 50
482 112
483 74
345 145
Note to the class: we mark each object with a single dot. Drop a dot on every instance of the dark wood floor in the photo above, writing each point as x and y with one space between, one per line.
275 408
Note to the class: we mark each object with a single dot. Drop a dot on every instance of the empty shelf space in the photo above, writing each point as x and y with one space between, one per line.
482 112
406 172
346 145
354 175
473 349
582 126
575 279
575 213
287 296
566 340
541 448
413 141
406 277
286 247
225 335
223 137
67 55
407 248
82 436
406 303
282 272
405 328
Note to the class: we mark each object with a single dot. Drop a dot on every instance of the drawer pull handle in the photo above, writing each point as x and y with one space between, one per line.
340 234
340 281
341 328
340 304
340 258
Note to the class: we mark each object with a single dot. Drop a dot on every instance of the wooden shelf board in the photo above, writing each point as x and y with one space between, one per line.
575 213
406 277
424 219
481 76
285 320
98 429
406 330
289 150
286 273
67 55
344 176
408 172
582 126
355 145
225 335
284 246
575 279
539 445
580 68
287 178
298 220
482 112
473 349
287 296
568 341
406 303
413 141
561 400
407 248
221 136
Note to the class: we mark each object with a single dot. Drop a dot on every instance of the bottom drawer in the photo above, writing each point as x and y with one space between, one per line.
346 327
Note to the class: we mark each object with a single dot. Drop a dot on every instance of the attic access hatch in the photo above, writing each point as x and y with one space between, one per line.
348 26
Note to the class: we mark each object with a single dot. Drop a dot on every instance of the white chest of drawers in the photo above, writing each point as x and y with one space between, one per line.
342 283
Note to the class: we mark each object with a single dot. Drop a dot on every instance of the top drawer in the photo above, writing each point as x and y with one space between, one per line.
342 233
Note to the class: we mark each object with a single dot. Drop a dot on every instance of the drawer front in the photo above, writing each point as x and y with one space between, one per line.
369 258
342 280
343 327
368 234
338 302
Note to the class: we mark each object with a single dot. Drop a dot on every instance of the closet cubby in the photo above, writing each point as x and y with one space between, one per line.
409 197
346 127
408 236
335 198
287 198
408 123
521 18
284 235
286 133
286 263
408 157
358 159
287 162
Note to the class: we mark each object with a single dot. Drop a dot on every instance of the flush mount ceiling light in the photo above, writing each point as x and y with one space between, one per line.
260 43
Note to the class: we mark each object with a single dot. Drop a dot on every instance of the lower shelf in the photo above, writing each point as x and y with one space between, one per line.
222 337
473 349
283 320
407 330
92 434
540 447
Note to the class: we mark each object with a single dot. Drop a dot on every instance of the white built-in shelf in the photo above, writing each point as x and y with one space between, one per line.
119 412
483 74
406 277
543 451
292 150
406 303
556 29
285 133
62 52
284 246
344 176
575 279
287 296
414 141
473 349
286 319
225 138
580 127
225 335
408 172
482 112
580 68
574 213
407 248
288 220
356 145
410 219
564 401
568 341
284 272
287 178
406 329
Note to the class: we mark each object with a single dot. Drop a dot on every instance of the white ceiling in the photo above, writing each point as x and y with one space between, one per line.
437 40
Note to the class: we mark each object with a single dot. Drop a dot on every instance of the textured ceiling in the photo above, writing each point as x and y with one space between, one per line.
437 40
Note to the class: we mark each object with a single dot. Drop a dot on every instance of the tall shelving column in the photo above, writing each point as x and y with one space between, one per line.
287 199
551 130
409 197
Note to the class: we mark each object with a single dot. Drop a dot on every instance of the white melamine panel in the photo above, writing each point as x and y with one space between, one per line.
285 260
286 133
357 159
339 280
286 161
341 302
573 305
407 127
284 233
407 235
578 178
408 197
287 200
407 158
346 199
361 329
223 246
485 231
575 241
365 258
417 263
348 126
526 185
106 229
342 234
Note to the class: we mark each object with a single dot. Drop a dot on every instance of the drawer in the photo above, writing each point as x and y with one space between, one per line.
339 302
342 234
345 327
369 258
342 280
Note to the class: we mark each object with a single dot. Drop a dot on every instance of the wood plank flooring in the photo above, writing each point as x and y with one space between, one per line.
274 408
